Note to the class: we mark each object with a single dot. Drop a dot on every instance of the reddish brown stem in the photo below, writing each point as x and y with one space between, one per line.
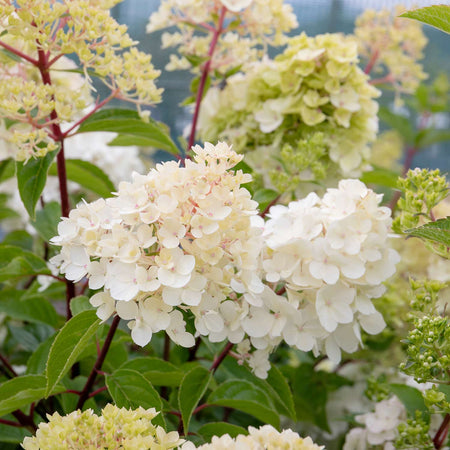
221 357
383 80
102 389
201 87
98 363
166 351
19 53
373 59
6 363
441 434
25 420
11 423
266 210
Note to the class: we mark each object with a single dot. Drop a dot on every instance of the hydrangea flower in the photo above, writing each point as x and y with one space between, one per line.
115 428
332 255
263 438
313 88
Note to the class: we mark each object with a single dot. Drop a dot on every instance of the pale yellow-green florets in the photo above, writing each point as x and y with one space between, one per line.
313 92
39 85
115 428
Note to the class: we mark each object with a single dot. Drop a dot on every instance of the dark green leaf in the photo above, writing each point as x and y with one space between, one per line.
32 309
38 360
31 179
157 371
265 197
381 176
281 392
17 263
410 397
21 391
7 169
68 345
399 123
47 219
88 176
245 396
438 231
437 16
80 304
19 238
192 389
12 435
131 389
127 122
220 428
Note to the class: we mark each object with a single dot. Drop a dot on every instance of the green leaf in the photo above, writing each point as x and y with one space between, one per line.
17 263
12 435
127 122
245 396
80 304
31 179
431 136
381 176
7 169
410 397
265 197
38 360
131 389
399 123
47 219
220 428
21 391
157 371
281 392
438 231
68 345
31 309
437 16
192 389
19 238
88 176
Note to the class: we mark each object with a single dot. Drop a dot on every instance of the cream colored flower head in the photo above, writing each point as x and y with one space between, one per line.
114 428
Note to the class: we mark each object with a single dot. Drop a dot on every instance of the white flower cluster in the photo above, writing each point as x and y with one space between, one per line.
263 438
380 426
177 239
332 255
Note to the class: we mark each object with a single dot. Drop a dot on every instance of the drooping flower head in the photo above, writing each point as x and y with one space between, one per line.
114 428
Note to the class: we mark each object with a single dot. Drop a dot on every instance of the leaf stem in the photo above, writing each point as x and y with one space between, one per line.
19 53
201 87
373 59
98 363
7 364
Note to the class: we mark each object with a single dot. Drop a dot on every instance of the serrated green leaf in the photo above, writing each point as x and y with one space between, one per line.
131 389
437 16
156 370
219 429
381 176
88 176
21 391
410 397
127 122
245 396
47 219
399 123
192 389
17 263
68 345
80 304
281 392
32 309
31 179
438 231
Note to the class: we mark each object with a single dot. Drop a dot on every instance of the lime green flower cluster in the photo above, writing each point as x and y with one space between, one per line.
428 343
392 45
423 190
115 428
414 433
247 27
314 86
38 86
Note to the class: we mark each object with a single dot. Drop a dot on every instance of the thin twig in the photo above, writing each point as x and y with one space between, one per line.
441 434
221 357
24 56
